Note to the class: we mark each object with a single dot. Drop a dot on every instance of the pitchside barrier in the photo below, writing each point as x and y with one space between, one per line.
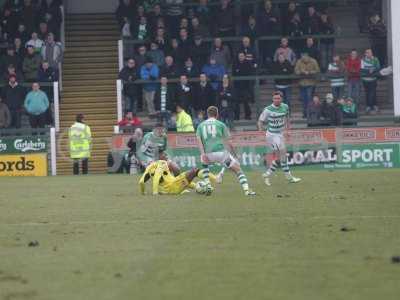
328 148
28 152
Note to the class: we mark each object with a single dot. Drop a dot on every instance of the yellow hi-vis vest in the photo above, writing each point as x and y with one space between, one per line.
184 122
80 138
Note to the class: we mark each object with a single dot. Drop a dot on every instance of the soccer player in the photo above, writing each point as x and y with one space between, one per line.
213 139
275 118
164 182
153 143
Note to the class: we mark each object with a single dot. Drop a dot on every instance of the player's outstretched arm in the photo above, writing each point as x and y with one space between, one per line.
142 183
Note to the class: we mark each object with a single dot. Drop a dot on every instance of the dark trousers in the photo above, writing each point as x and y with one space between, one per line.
15 119
306 95
370 93
38 121
85 166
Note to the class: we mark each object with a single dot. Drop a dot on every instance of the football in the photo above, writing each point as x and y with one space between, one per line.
203 189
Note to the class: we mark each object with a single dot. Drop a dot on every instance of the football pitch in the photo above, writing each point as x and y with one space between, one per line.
331 237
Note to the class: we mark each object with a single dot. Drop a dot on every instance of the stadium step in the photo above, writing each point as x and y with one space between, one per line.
89 73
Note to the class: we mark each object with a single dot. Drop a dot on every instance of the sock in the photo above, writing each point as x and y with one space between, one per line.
222 171
211 176
285 167
243 181
206 174
272 168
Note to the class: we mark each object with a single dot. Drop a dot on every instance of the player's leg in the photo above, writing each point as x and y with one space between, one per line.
274 162
234 165
174 168
285 166
220 175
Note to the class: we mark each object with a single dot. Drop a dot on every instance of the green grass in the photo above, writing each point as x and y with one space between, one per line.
99 240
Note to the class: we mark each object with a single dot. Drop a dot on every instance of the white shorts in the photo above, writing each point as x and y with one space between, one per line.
224 158
276 141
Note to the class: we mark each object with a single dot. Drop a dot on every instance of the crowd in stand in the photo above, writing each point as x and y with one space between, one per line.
30 53
172 43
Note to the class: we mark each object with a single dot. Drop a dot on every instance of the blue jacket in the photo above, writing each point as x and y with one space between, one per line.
215 74
149 74
36 102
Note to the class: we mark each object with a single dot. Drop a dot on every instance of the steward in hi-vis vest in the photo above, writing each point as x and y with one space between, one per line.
80 141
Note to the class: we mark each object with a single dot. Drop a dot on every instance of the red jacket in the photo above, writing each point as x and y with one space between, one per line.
353 68
134 122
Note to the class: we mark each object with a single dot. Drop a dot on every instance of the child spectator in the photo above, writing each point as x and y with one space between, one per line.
336 74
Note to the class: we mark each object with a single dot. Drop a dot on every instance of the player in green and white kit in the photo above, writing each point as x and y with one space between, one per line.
275 119
213 139
152 144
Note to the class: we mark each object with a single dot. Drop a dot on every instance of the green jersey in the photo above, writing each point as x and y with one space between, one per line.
275 118
150 146
212 134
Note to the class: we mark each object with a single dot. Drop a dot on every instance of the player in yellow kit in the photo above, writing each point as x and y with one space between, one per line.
165 183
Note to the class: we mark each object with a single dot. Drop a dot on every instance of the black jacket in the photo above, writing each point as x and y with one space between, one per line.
14 97
169 71
243 69
129 76
203 97
200 54
225 98
284 68
184 96
170 98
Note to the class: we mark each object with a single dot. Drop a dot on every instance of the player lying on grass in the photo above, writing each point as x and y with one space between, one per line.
275 119
153 143
214 139
164 182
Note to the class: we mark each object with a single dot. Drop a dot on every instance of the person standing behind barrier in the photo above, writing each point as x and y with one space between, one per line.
80 141
5 116
149 71
353 68
36 105
14 95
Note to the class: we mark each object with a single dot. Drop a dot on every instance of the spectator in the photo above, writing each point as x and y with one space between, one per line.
203 12
184 46
129 74
295 29
283 67
370 66
140 57
12 71
353 69
173 12
53 18
156 54
348 110
52 52
126 29
200 52
31 65
243 88
326 44
377 33
204 94
43 31
314 112
311 21
189 69
251 30
331 111
5 115
9 22
142 30
184 24
22 33
312 49
154 16
47 74
226 102
221 53
184 94
225 19
13 95
164 102
10 59
20 51
173 50
286 51
124 12
288 16
36 105
150 72
35 42
269 25
161 39
249 51
336 74
215 72
308 67
169 70
184 121
130 119
198 28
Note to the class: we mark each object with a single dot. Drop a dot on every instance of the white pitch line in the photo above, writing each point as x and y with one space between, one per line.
138 221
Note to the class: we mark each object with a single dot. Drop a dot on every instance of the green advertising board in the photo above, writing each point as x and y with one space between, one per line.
379 155
23 144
